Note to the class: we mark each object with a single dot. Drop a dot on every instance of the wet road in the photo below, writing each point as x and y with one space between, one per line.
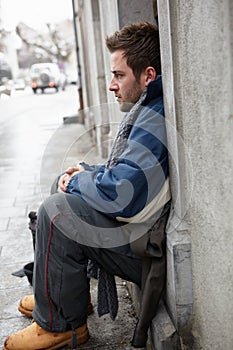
27 124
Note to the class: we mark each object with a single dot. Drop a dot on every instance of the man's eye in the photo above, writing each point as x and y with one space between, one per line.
119 76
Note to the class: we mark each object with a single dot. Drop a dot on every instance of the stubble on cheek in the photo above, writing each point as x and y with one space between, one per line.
130 98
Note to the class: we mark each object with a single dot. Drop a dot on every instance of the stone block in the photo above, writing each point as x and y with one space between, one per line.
179 292
163 332
71 119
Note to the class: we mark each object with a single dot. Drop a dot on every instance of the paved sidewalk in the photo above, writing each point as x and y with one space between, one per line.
32 181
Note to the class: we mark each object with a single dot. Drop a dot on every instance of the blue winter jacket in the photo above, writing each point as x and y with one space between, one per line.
137 186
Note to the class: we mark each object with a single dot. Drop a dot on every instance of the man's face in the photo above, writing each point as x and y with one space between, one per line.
127 90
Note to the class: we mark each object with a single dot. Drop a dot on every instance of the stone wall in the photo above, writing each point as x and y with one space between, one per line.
196 42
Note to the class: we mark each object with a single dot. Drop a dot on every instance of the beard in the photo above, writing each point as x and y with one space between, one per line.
130 97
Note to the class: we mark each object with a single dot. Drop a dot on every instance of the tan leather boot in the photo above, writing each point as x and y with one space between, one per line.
26 305
34 337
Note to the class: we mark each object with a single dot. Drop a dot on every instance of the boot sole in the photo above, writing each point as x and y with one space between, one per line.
25 312
81 339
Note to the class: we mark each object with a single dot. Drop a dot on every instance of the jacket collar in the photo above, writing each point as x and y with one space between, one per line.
154 90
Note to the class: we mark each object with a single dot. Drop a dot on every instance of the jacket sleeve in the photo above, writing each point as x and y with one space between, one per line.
138 176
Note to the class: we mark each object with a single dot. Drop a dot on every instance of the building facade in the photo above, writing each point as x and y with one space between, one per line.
196 41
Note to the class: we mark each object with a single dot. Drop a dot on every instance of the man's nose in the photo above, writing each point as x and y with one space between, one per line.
113 85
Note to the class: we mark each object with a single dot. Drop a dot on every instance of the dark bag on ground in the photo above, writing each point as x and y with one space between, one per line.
27 270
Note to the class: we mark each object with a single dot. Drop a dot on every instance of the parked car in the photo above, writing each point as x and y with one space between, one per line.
19 84
46 75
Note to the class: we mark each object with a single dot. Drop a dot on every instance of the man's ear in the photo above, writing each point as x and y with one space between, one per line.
150 75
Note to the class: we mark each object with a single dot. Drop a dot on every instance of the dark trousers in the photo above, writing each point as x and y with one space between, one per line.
69 233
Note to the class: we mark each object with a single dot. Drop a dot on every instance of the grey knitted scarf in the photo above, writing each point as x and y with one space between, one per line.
120 140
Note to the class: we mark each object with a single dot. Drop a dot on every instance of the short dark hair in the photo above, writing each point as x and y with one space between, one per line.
140 43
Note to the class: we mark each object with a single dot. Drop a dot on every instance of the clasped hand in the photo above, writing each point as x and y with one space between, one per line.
65 178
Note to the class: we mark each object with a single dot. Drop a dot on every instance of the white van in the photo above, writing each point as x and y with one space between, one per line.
46 75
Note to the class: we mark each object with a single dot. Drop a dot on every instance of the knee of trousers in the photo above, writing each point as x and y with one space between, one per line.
68 214
54 205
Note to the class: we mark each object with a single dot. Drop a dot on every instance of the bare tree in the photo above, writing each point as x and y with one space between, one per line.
52 46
